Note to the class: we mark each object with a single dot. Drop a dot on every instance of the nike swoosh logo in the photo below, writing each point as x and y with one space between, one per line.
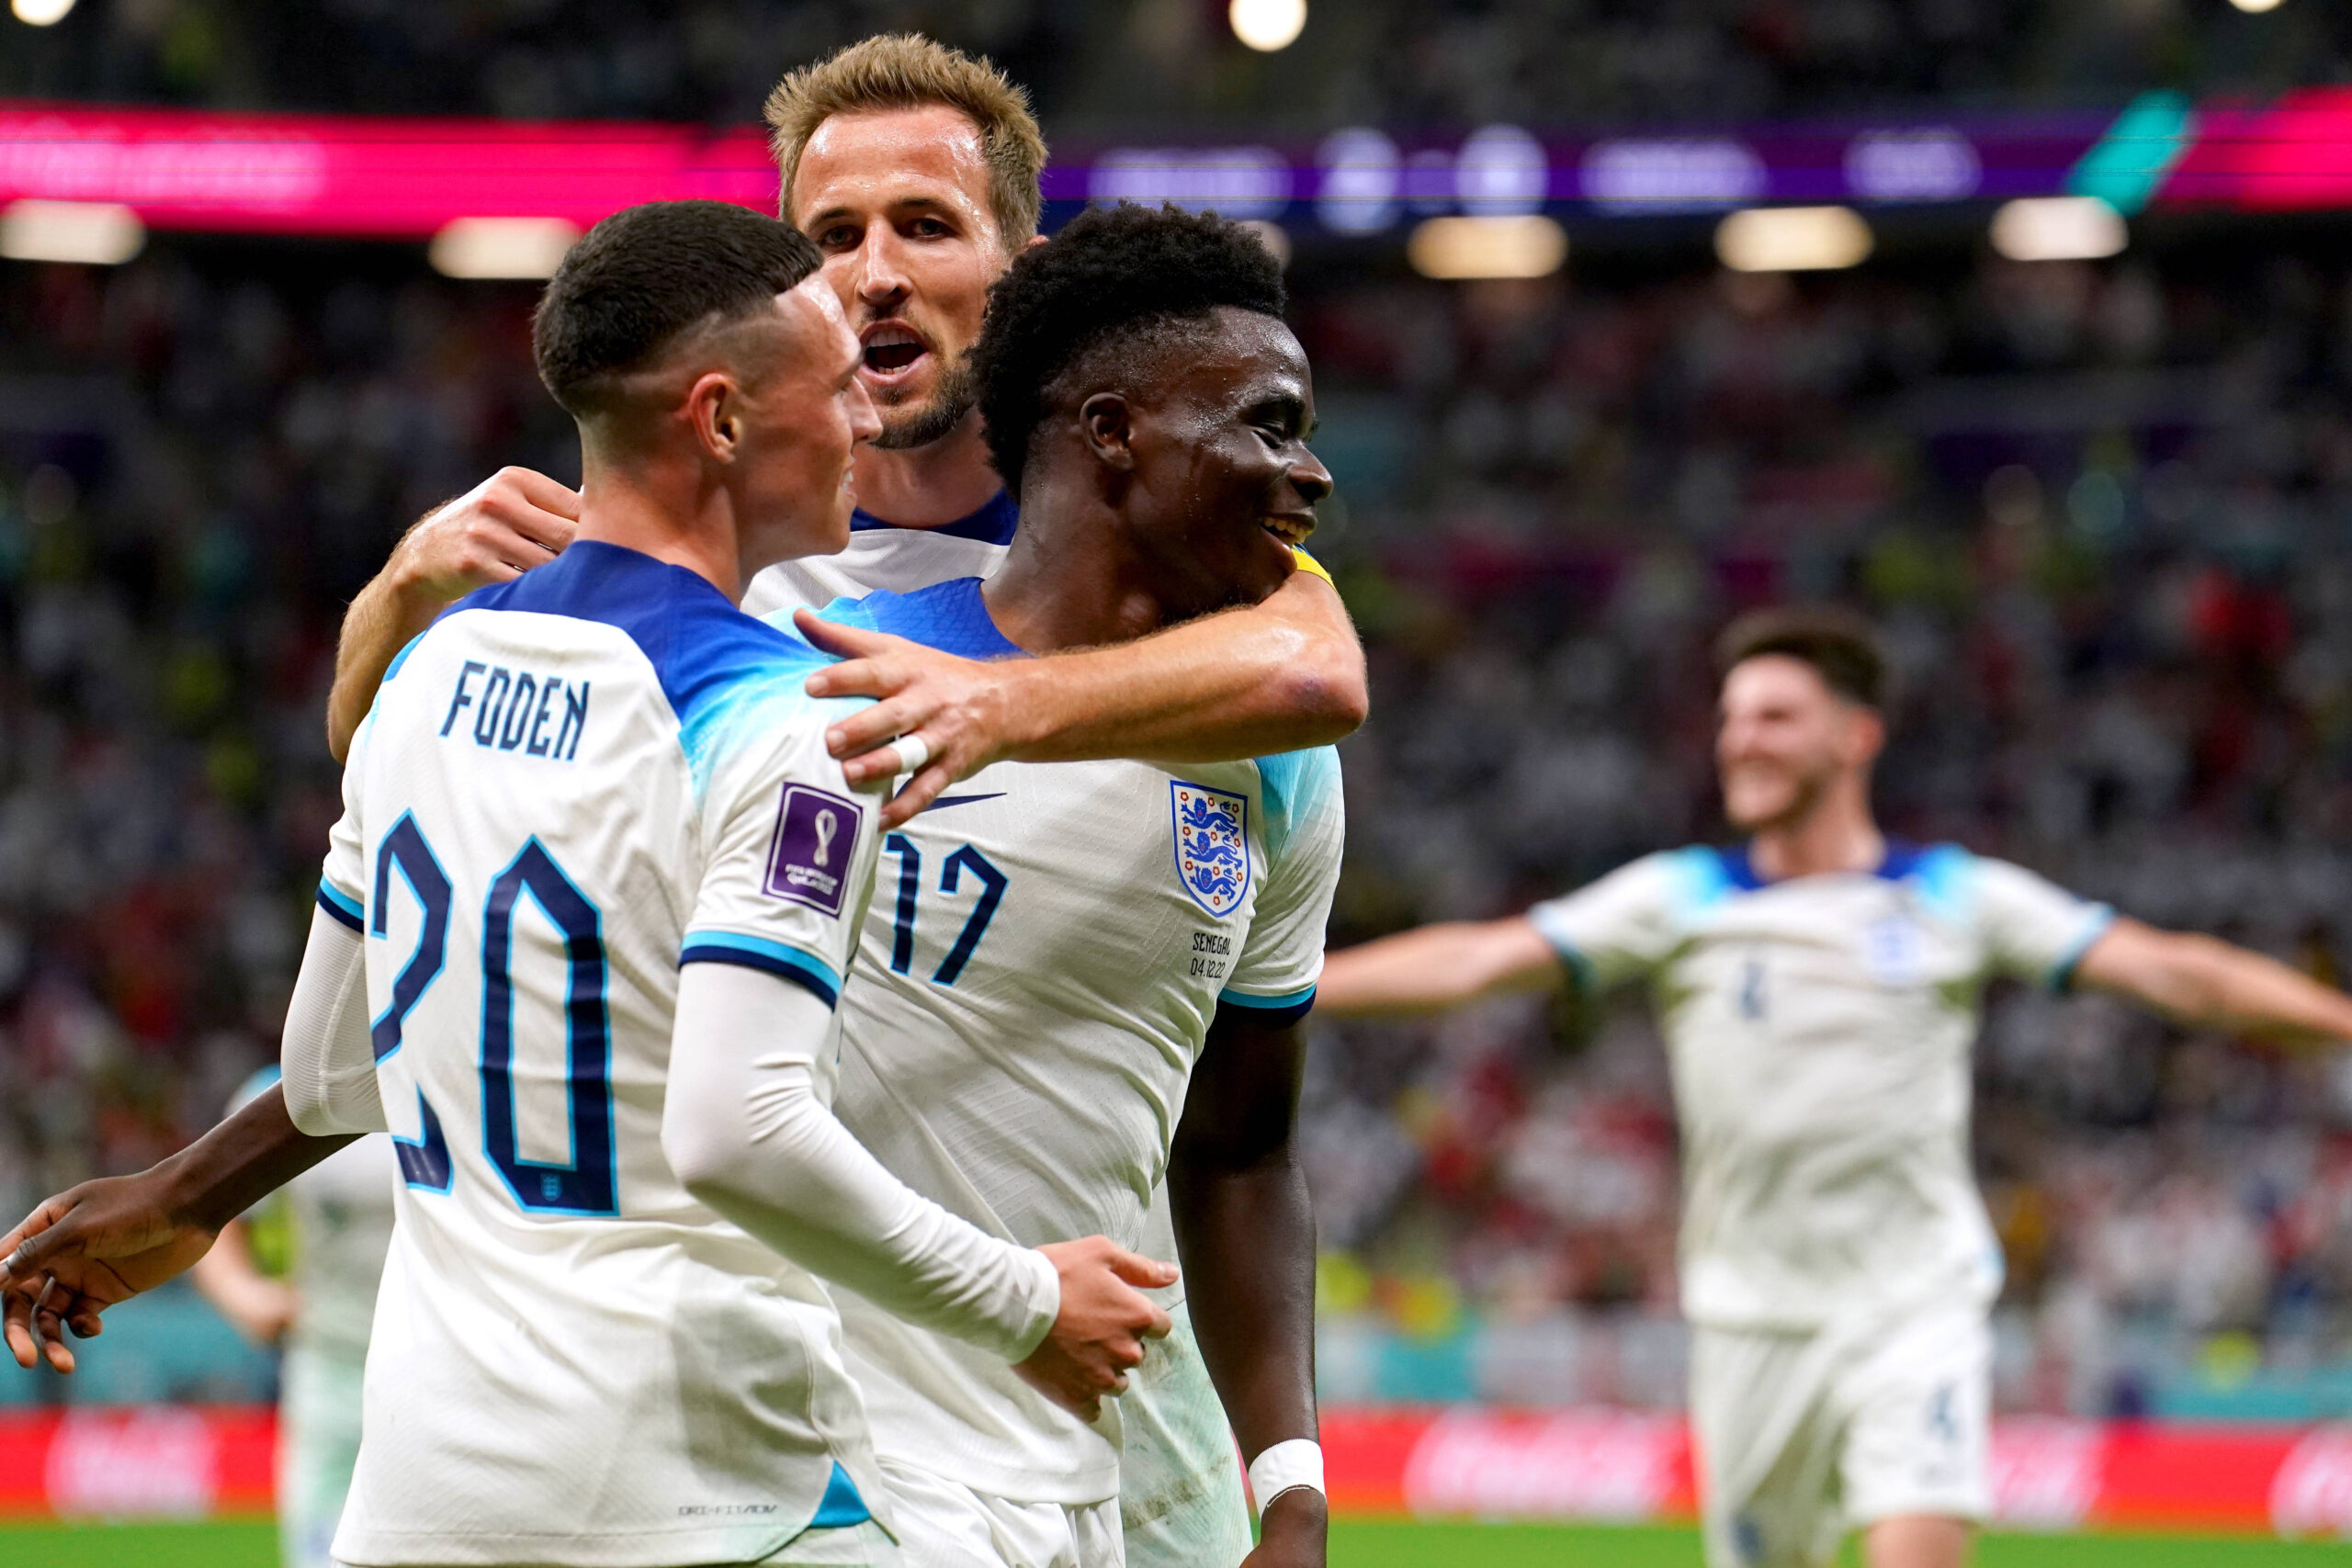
944 801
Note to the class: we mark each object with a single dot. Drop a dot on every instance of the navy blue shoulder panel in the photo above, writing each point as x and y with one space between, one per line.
951 616
994 523
698 644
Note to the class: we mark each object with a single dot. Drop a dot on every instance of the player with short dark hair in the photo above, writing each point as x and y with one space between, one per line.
1095 972
1817 986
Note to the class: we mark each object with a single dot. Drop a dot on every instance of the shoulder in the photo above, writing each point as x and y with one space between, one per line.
952 617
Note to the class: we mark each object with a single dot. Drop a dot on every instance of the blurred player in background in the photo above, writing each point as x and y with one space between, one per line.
1093 973
335 1222
915 169
1818 990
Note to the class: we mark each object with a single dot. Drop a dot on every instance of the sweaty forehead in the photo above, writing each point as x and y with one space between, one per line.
871 160
1230 356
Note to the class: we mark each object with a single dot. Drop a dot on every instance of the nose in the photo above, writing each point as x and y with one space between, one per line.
865 420
881 278
1310 477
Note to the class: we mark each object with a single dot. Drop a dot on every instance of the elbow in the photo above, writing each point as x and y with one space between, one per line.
1326 691
701 1167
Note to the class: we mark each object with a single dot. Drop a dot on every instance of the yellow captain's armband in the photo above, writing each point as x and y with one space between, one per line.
1309 564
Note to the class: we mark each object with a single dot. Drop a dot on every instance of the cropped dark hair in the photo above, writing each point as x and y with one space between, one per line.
1842 646
1111 277
645 275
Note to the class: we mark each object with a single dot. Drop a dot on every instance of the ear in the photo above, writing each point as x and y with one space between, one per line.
713 413
1865 737
1104 420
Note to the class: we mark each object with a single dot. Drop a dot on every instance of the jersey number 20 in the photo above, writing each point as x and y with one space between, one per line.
585 1184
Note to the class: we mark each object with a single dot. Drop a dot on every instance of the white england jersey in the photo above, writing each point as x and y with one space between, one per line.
883 556
1046 950
1819 1032
570 785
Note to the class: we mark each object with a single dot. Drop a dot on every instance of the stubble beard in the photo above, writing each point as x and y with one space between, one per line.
936 416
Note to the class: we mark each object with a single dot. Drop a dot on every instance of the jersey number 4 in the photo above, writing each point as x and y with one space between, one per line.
989 882
585 1184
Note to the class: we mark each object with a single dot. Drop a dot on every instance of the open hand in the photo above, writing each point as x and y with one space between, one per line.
965 711
82 1251
1103 1321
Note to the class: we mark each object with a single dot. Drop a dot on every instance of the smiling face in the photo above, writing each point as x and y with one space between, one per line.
1221 481
1785 741
800 410
898 200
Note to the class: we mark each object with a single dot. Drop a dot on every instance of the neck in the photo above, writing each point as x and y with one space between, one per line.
930 486
1069 579
666 511
1835 835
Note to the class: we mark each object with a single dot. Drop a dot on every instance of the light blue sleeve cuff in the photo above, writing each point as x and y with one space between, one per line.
2060 978
811 974
342 906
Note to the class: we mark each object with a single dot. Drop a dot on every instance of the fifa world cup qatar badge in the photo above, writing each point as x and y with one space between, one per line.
816 841
1212 844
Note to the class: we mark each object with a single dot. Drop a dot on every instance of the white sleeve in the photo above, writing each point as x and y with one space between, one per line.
2031 928
1622 927
746 1132
328 1060
1305 830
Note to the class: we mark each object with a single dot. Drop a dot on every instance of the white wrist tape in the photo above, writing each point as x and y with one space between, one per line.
1285 1467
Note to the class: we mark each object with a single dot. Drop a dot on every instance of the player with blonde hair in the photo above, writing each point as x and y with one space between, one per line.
1817 986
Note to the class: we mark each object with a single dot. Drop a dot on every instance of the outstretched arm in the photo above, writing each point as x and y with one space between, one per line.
107 1240
1438 967
1247 1233
510 523
1281 676
2201 980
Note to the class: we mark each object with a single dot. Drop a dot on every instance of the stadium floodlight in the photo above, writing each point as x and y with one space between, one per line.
2256 5
501 247
2058 227
1529 245
1793 239
1267 25
98 232
40 13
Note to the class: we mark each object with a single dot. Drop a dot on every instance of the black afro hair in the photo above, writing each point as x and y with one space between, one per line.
1112 273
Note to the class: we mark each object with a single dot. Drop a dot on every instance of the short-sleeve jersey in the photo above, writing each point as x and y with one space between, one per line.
339 1219
1047 947
570 785
1820 1031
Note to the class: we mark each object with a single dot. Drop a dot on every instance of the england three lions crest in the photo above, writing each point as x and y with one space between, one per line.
1212 844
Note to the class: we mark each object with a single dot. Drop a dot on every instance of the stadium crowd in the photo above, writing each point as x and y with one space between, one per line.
2099 510
1099 68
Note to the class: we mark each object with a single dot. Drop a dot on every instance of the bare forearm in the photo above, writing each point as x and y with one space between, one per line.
1435 968
381 621
1247 1242
1283 676
242 1161
2218 986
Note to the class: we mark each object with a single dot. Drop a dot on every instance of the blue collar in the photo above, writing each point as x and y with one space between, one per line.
951 616
1740 868
993 524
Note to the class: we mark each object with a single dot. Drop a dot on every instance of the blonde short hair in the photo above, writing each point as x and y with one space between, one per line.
907 71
